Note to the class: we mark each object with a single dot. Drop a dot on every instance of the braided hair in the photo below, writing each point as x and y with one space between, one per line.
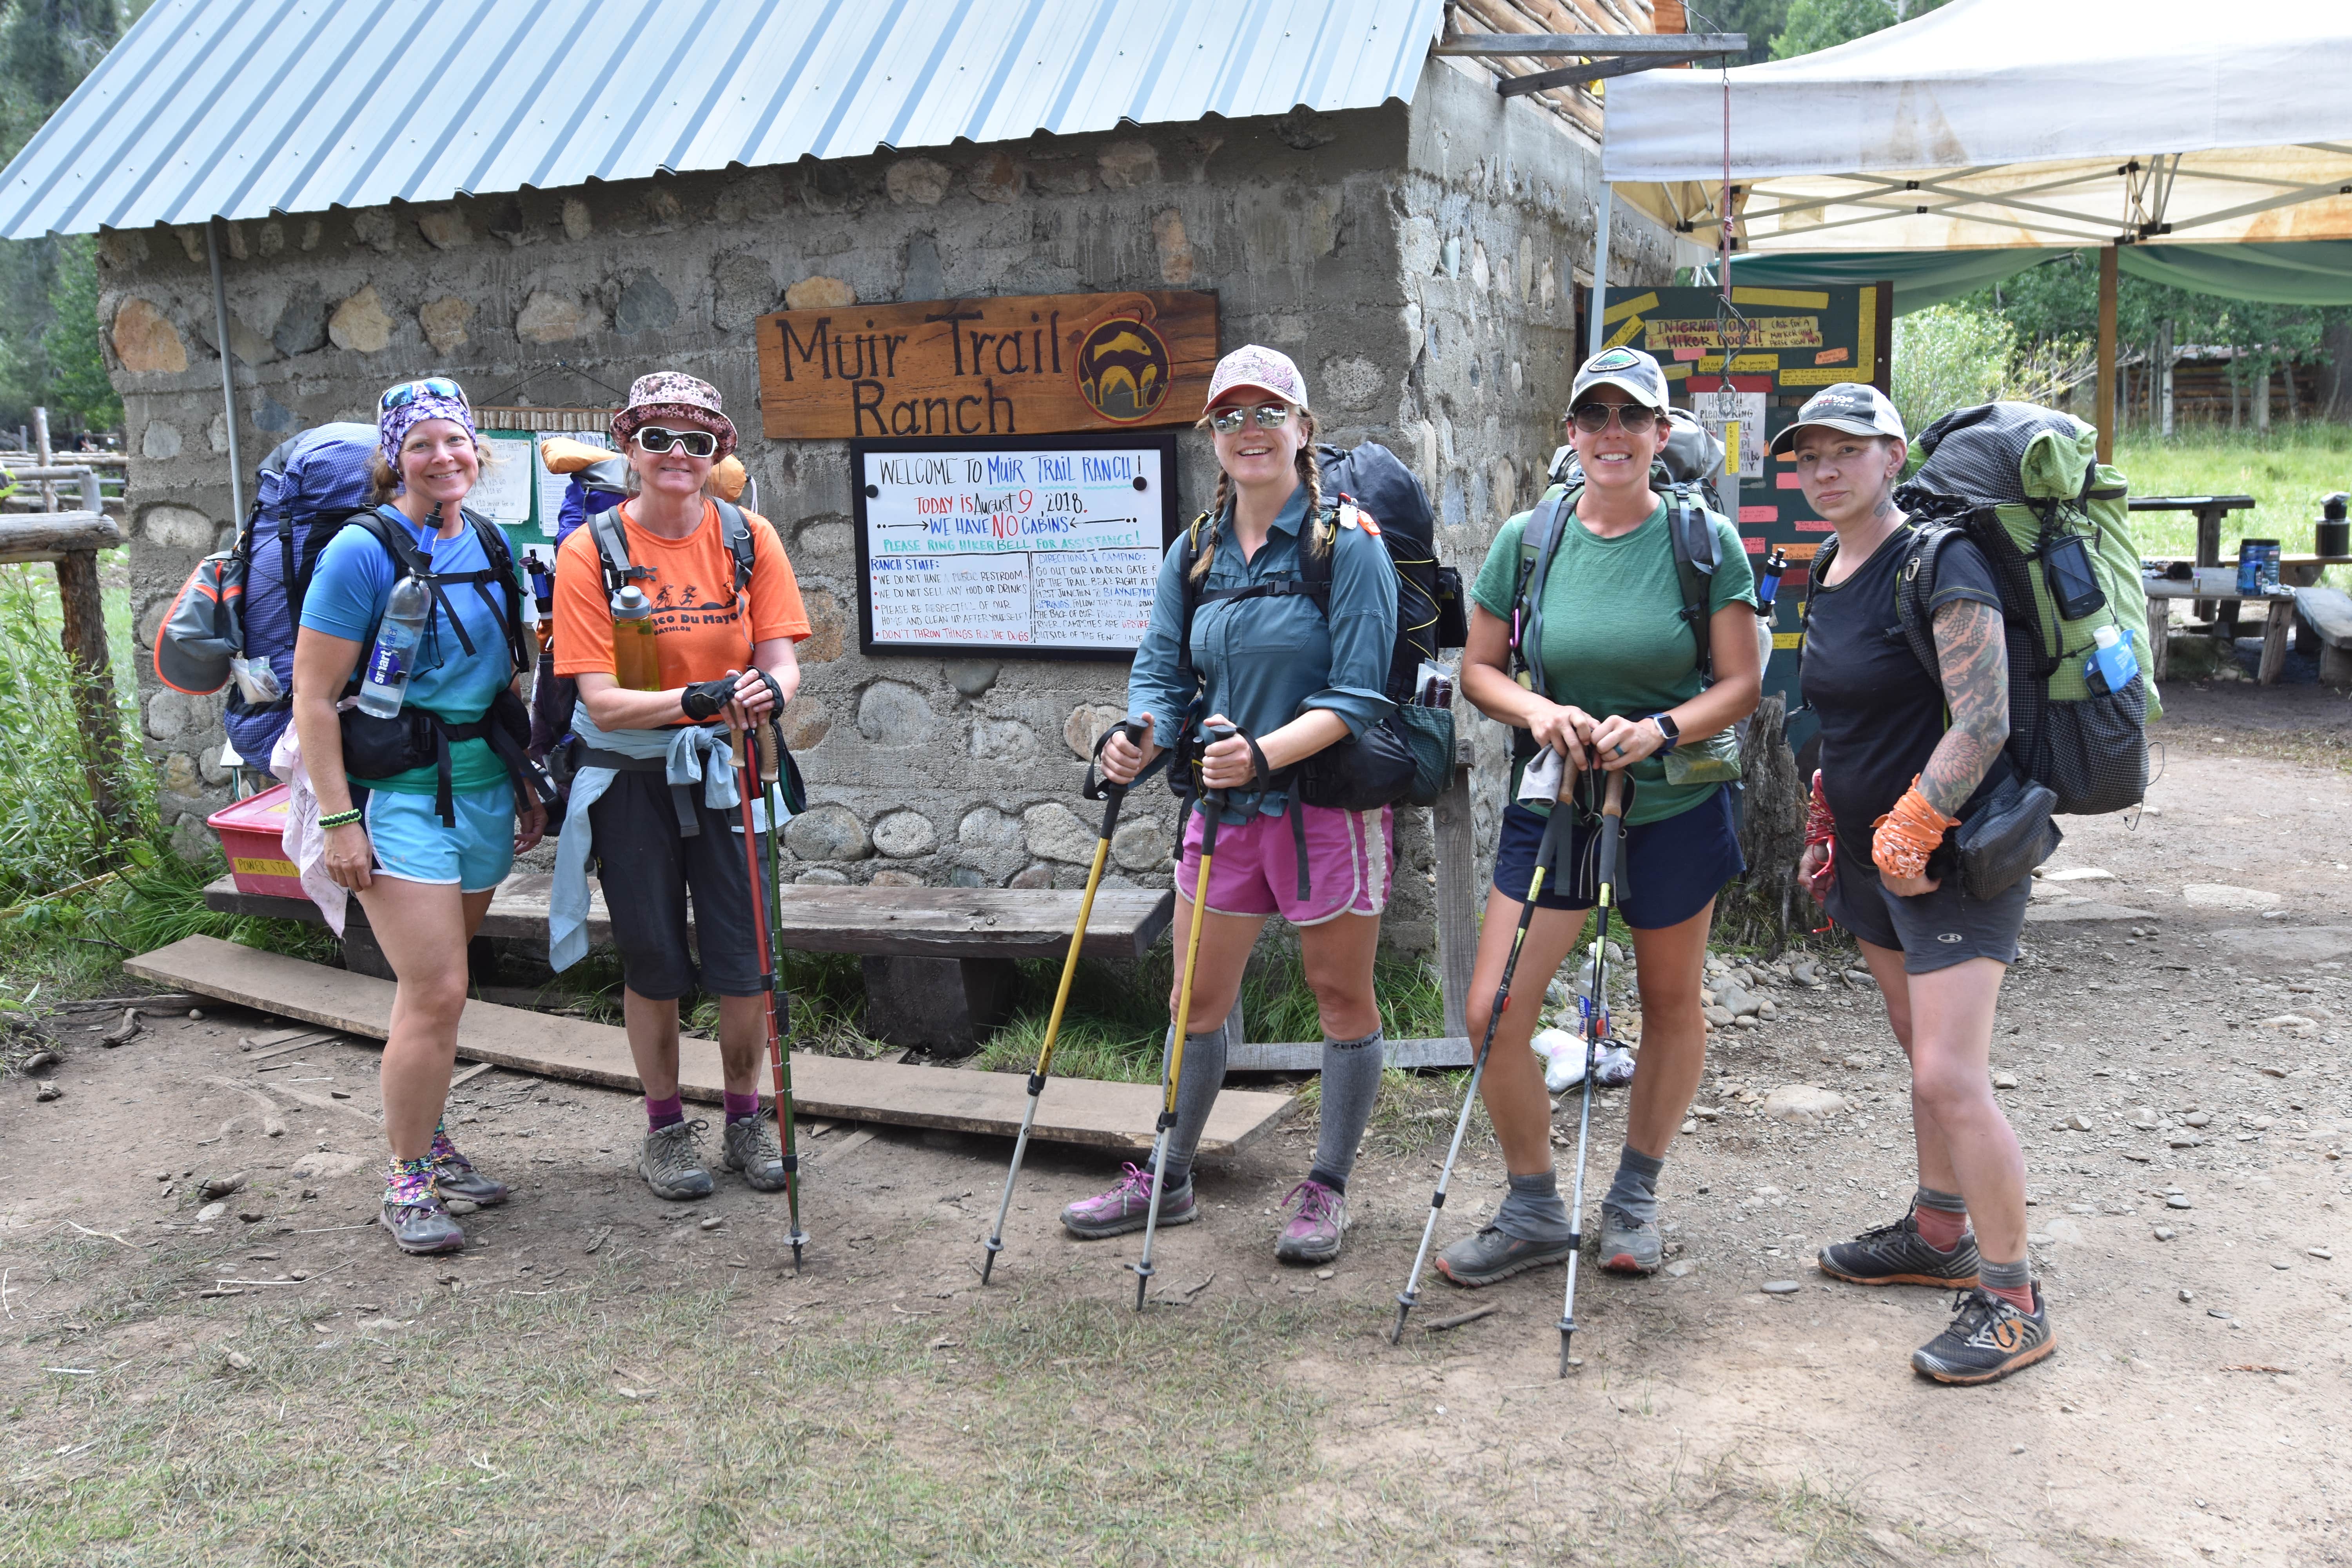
1310 475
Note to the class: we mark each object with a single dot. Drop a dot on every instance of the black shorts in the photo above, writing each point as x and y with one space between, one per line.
1673 866
648 868
1933 931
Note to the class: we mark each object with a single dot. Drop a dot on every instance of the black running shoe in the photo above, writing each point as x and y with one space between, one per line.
1897 1255
1988 1339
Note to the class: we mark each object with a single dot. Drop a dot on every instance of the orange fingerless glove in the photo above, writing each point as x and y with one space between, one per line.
1906 836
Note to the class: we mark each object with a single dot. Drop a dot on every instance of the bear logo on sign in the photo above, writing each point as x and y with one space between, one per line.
1123 370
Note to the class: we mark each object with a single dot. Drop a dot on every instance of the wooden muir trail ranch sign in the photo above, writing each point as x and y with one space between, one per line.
1017 365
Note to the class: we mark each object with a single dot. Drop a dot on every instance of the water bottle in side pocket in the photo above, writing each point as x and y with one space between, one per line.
390 662
2112 663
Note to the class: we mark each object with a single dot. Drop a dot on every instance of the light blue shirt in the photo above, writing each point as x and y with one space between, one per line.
1263 662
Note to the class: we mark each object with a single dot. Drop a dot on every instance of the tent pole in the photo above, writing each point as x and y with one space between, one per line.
228 388
2105 416
1600 266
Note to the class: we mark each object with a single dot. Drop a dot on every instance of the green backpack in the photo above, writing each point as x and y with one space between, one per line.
2025 486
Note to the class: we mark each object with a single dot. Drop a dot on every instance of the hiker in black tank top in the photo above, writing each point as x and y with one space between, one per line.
1903 757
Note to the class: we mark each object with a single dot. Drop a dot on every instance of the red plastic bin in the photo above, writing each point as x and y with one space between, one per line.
249 835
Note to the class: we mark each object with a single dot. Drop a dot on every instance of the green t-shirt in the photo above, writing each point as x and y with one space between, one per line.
1614 641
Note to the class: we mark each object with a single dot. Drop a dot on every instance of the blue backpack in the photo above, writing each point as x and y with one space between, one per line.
308 489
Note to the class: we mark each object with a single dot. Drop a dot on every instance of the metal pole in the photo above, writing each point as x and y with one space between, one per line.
229 389
1600 266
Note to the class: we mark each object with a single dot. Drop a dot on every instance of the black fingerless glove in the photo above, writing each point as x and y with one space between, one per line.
704 699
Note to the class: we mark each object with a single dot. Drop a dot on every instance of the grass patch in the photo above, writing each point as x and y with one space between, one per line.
2287 472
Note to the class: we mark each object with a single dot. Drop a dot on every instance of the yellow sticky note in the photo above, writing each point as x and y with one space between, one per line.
1793 298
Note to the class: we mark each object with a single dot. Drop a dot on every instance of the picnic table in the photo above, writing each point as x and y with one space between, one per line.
2279 619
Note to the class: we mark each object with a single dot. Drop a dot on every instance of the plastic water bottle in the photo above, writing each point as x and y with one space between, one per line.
636 667
388 669
2113 657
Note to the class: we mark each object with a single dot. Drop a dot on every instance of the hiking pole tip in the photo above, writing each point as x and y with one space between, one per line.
1405 1300
1143 1273
1567 1332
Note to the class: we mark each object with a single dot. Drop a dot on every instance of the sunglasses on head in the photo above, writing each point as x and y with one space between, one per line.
408 392
1268 417
659 438
1633 418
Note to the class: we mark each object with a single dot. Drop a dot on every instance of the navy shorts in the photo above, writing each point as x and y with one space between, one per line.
1932 931
649 869
1672 867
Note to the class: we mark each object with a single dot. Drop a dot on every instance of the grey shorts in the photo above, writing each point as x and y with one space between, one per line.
1933 931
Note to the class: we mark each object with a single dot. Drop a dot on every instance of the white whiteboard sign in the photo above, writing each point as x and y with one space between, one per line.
503 493
1049 549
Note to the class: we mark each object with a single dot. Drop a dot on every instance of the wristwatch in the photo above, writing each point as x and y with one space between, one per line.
1669 728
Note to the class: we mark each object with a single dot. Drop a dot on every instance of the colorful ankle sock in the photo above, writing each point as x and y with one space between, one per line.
1942 1217
408 1181
443 1151
739 1107
661 1113
2012 1282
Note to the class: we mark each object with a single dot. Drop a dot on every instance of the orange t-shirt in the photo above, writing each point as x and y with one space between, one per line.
699 630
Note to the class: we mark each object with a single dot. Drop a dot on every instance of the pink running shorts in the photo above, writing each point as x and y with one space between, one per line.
1350 864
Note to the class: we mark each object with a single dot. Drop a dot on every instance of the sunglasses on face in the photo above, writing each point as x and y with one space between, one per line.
1632 418
659 438
408 392
1268 417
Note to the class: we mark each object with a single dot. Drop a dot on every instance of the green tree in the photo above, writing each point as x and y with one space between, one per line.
1761 20
78 382
1813 25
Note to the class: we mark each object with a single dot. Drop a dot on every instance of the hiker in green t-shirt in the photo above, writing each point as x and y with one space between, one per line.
1620 662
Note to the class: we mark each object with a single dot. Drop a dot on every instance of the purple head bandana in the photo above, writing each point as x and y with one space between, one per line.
410 403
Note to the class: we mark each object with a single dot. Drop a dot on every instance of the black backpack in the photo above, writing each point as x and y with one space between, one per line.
1408 757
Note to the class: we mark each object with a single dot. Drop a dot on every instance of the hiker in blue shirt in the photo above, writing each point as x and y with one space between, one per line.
421 847
1294 677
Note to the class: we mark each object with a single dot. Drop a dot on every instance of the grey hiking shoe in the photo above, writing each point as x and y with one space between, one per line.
1315 1229
1122 1209
671 1164
750 1146
423 1227
454 1176
1493 1254
1988 1339
1628 1245
1898 1255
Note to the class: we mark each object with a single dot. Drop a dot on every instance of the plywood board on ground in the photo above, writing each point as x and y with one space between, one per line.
1073 1111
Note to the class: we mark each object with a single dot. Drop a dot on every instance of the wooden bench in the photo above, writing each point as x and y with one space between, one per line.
940 963
2324 614
2279 617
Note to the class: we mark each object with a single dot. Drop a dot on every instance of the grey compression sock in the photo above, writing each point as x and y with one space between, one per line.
1352 1082
1634 1193
1945 1203
1196 1095
2014 1276
1532 1210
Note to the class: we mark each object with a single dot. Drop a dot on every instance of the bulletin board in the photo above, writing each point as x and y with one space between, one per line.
516 490
1048 548
1785 345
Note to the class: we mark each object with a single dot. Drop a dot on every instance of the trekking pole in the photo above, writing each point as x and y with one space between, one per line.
1212 802
1612 828
779 1060
744 774
1114 796
1547 860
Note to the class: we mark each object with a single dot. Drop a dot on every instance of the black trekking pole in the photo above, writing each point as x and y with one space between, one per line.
1171 1057
1612 830
746 771
780 1004
1114 795
1547 861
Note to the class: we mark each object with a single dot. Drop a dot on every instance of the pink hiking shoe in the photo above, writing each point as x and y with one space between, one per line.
1122 1209
1314 1231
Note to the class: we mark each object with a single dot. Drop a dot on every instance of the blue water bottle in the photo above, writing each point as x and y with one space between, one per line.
388 666
2113 657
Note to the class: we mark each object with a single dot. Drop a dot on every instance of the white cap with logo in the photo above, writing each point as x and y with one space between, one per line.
1856 407
1629 370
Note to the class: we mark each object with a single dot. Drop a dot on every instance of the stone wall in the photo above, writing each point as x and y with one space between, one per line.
1415 263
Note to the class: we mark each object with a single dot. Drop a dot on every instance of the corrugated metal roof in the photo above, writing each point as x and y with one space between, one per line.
240 108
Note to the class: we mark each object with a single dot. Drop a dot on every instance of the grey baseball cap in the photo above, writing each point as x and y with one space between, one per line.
1856 407
1631 370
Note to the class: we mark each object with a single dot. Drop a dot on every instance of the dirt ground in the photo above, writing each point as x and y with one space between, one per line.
602 1376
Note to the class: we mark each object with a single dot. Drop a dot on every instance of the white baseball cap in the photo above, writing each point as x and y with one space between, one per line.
1255 367
1856 407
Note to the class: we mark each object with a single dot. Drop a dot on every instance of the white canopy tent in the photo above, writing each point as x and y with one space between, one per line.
2011 123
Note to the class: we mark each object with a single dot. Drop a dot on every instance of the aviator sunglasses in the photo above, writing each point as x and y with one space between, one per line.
408 392
1269 416
1633 418
656 438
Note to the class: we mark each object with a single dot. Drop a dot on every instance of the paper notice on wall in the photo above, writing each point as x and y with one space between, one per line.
503 492
1031 548
1736 419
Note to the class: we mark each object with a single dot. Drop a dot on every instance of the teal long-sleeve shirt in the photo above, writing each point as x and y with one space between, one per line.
1263 662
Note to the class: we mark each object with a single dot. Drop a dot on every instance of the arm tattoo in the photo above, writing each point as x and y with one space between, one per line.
1975 660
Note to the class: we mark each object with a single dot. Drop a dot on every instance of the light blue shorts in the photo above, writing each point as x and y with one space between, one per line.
410 842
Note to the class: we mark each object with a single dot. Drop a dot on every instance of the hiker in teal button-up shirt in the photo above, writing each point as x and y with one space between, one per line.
1260 663
1298 677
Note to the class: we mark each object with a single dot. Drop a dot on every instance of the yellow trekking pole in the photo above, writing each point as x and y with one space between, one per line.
1114 795
1172 1056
